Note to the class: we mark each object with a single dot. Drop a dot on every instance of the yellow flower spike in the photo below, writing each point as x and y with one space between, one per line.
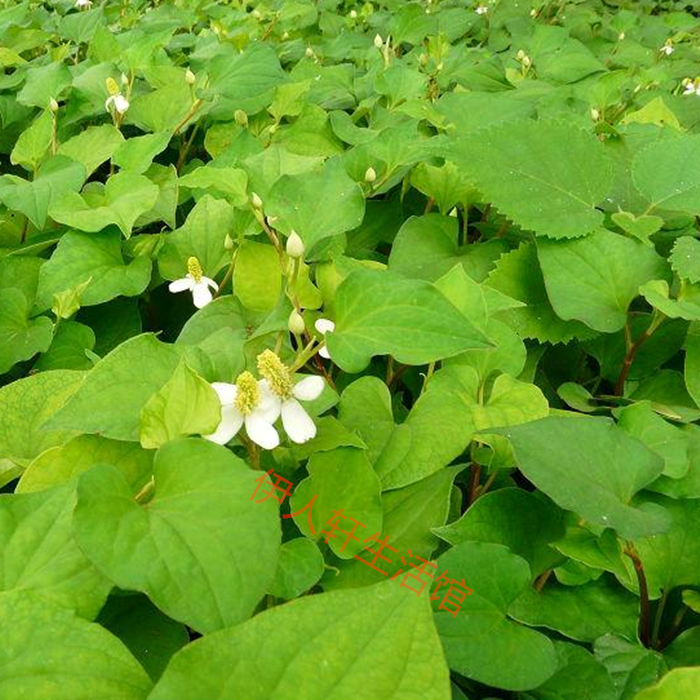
194 269
248 396
112 86
277 374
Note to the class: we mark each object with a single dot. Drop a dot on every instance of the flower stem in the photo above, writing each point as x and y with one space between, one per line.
644 610
146 492
633 348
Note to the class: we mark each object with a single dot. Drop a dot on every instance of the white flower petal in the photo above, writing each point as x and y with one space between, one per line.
270 405
309 388
261 431
231 422
323 352
323 325
181 285
201 295
108 102
211 283
226 392
121 104
297 422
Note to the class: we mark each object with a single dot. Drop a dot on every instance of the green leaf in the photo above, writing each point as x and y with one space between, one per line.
50 653
480 634
20 337
679 683
68 348
295 200
630 665
110 399
257 276
426 247
583 613
686 306
38 552
93 146
44 82
59 464
525 522
247 80
137 153
640 227
664 173
590 466
594 279
201 549
365 407
685 258
329 474
33 199
232 182
25 407
379 313
126 196
577 669
185 405
518 276
672 558
545 176
33 143
96 259
300 566
383 622
202 236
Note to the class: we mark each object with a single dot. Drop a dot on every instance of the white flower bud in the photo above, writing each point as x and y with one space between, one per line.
370 175
378 42
353 14
533 13
53 105
296 323
190 77
309 53
520 55
620 36
595 114
527 61
256 201
256 14
295 246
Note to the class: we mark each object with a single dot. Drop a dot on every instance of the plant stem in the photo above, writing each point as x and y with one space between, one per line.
474 483
252 450
644 611
193 110
185 149
145 493
657 619
632 349
542 579
227 276
673 629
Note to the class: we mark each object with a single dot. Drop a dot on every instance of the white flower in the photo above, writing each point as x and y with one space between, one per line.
378 41
667 49
323 326
295 420
80 4
692 87
121 104
194 281
247 402
481 9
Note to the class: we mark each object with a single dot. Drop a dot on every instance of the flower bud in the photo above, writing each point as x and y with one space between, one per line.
295 246
378 41
256 201
125 80
527 61
53 105
256 13
296 323
620 36
228 242
533 13
112 87
285 36
353 14
190 77
423 59
370 175
241 118
520 55
309 53
595 114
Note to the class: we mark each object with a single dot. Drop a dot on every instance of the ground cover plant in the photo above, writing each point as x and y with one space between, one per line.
349 351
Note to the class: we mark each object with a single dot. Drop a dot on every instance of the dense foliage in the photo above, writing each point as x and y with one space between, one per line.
313 312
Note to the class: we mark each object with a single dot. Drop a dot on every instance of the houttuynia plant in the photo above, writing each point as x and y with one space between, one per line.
349 350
